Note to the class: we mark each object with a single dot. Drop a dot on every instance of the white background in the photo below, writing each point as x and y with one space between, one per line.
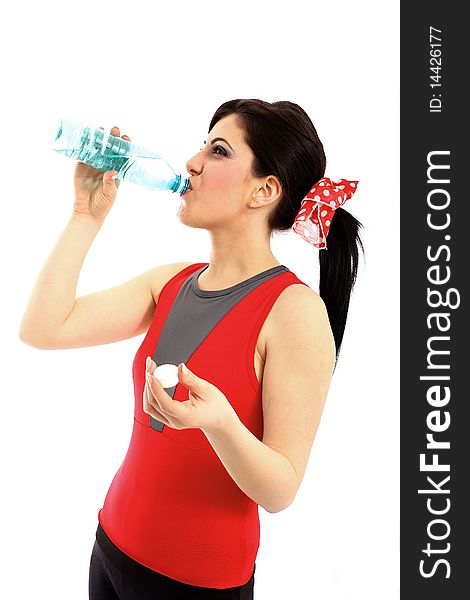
159 71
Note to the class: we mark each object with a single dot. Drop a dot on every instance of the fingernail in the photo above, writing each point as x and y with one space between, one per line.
185 369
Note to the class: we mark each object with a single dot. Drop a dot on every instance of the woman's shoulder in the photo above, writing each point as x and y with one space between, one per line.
299 316
296 298
297 305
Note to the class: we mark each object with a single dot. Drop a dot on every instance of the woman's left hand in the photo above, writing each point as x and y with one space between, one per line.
207 408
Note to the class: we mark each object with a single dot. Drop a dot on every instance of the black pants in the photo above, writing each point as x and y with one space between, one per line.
115 576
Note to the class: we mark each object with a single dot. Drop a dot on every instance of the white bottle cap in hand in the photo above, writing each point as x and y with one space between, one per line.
167 375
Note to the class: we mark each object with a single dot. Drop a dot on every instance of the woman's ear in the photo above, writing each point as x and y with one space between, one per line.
270 191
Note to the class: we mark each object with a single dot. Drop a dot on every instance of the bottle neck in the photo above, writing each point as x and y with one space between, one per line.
181 185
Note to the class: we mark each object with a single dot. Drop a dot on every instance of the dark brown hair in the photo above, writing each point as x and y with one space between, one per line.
285 144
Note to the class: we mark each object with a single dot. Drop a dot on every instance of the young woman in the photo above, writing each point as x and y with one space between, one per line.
180 519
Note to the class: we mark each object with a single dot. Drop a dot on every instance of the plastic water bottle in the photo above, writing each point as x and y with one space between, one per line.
107 152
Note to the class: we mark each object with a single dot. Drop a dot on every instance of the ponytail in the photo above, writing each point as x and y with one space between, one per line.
338 270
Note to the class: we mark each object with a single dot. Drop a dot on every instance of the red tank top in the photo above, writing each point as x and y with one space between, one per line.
172 506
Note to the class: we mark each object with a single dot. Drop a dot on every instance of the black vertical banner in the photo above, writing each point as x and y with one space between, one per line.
434 262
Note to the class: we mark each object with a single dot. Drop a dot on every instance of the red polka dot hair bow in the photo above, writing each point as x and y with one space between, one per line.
318 207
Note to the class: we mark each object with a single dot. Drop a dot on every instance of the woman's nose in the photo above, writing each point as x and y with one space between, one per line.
194 164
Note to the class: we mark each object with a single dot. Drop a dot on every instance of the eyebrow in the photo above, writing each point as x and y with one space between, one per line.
222 140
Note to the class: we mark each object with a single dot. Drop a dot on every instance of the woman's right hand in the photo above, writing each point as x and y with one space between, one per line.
95 190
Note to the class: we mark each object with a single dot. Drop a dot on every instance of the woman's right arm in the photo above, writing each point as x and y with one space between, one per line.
56 319
53 296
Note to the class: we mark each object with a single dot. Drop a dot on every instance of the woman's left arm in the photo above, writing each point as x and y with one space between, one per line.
264 474
300 355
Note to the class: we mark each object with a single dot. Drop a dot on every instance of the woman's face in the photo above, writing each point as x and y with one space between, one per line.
222 186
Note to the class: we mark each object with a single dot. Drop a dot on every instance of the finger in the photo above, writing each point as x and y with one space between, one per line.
163 401
152 382
156 414
158 395
149 368
150 396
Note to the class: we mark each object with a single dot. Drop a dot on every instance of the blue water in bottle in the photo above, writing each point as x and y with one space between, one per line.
107 152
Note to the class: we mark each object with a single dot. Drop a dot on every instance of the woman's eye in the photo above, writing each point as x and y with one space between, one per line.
216 147
224 152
